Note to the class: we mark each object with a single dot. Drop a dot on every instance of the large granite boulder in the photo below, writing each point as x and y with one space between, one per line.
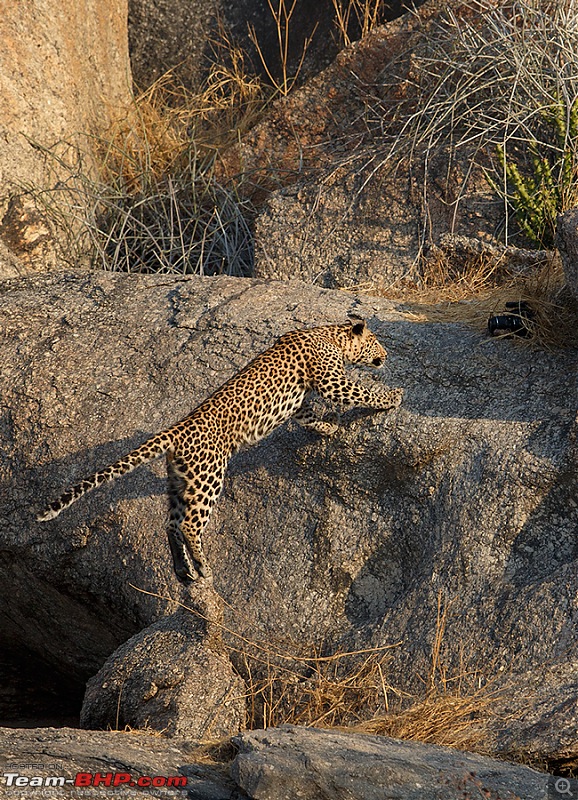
463 500
172 678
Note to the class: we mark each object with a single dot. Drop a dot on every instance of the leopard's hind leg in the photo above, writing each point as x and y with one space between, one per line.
193 490
183 566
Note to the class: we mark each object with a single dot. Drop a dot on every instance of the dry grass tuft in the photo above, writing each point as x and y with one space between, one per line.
232 98
479 286
216 752
445 719
148 141
145 731
155 204
167 121
315 691
455 710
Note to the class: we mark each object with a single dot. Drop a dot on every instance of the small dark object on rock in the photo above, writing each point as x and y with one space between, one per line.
515 323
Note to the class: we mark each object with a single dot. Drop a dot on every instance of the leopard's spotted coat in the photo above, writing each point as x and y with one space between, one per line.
269 390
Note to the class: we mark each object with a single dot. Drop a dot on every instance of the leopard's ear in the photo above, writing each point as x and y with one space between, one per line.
358 325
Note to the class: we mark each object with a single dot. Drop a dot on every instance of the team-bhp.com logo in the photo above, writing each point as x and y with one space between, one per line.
113 779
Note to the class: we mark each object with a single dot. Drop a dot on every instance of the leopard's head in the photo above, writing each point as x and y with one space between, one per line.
362 345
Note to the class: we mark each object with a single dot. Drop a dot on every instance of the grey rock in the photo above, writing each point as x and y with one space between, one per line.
319 234
567 244
542 714
467 493
281 764
285 763
170 677
66 752
169 36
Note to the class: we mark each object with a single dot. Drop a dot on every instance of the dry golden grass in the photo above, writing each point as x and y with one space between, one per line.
315 691
215 752
168 125
147 141
443 719
481 287
153 202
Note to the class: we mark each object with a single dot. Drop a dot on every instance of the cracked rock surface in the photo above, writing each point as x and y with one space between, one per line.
276 764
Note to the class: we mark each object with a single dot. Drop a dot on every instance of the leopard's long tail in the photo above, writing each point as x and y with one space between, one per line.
152 448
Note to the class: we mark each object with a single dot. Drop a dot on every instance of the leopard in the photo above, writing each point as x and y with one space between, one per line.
273 387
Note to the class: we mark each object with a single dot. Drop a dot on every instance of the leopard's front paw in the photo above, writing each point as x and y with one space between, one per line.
393 399
329 424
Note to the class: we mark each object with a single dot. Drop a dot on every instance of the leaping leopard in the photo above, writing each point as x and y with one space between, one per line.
263 395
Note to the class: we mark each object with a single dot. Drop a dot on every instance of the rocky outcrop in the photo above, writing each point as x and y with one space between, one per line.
170 678
542 716
346 213
64 76
276 763
78 757
463 501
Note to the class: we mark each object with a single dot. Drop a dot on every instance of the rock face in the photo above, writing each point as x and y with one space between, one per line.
64 71
277 763
543 698
167 678
321 765
466 497
75 754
